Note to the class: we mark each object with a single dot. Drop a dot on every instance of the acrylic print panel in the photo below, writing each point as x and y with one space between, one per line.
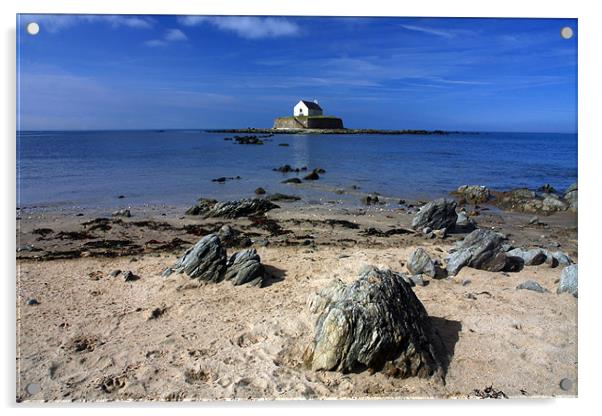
228 207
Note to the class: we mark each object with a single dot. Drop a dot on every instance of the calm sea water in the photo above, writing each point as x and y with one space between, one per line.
91 168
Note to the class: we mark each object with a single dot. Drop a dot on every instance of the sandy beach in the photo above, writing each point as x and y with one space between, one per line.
95 337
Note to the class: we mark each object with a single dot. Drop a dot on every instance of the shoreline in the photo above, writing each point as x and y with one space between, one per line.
335 131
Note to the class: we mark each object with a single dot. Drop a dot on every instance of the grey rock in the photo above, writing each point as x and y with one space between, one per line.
115 273
481 249
32 302
568 280
533 257
122 213
417 280
464 223
244 267
292 180
475 194
553 203
241 208
377 323
531 285
283 197
420 262
562 258
437 214
313 176
427 230
202 206
130 277
206 260
534 220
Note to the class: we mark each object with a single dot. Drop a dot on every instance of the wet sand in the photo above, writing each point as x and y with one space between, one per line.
94 337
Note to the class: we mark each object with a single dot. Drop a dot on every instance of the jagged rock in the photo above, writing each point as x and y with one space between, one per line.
245 267
206 260
483 250
202 206
241 208
474 194
122 213
568 280
437 214
531 285
421 263
533 257
376 322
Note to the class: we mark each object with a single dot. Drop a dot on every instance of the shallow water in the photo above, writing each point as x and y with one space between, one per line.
91 168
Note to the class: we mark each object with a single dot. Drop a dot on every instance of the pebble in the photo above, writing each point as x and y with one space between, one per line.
32 302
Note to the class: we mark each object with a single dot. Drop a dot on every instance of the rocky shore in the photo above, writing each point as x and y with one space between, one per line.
252 130
467 296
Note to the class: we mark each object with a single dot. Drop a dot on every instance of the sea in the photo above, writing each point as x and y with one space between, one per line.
61 169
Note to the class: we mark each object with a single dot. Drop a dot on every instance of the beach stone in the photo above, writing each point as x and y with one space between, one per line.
553 203
534 220
241 208
533 257
531 285
122 213
32 302
464 223
206 260
437 214
481 249
292 180
115 273
259 191
376 323
474 194
130 277
562 258
420 262
568 280
245 267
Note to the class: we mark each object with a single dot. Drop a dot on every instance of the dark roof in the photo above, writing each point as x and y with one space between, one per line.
311 105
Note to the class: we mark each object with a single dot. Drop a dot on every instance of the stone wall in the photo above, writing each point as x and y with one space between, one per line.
308 123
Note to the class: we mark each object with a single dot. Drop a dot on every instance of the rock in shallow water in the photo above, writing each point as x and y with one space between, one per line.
245 267
568 280
376 322
437 214
206 260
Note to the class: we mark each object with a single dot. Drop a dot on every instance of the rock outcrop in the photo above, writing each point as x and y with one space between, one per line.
437 214
231 209
483 250
206 260
473 194
568 280
524 200
377 323
245 267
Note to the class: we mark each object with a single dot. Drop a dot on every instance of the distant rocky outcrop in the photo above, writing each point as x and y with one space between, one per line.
544 203
377 323
231 209
473 194
437 214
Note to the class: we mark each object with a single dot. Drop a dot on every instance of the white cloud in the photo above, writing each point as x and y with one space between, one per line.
173 35
56 22
444 33
249 27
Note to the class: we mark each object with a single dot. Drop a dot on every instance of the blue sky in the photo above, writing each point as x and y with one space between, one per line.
149 72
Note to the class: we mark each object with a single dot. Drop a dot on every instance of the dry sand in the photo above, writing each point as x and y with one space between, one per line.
91 338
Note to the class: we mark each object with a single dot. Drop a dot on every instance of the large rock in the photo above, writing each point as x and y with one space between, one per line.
202 206
483 250
474 194
242 208
568 280
245 267
570 196
206 260
533 257
376 322
437 214
421 263
524 200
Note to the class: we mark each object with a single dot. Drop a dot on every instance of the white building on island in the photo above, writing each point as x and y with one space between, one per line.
307 108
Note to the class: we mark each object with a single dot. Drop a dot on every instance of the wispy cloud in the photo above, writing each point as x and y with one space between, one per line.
444 33
56 22
170 35
249 27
